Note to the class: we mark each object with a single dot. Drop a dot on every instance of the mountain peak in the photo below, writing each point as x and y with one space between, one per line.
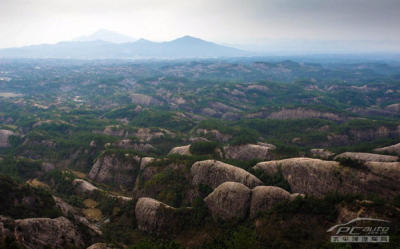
106 35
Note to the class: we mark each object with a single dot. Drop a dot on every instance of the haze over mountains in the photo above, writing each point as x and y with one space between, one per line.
105 44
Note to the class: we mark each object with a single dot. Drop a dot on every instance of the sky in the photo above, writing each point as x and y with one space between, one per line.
245 22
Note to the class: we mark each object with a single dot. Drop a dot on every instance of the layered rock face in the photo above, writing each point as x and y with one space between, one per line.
4 136
249 151
367 157
213 173
111 169
181 150
265 197
306 175
301 113
393 149
43 233
153 216
390 170
229 200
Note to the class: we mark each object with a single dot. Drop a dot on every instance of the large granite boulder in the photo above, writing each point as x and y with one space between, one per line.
305 175
119 170
392 149
230 200
247 152
83 187
366 157
41 233
266 197
153 216
181 150
213 173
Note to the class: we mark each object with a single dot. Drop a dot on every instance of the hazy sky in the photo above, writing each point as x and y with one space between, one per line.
25 22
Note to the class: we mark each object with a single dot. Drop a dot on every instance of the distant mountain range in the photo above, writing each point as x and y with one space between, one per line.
109 45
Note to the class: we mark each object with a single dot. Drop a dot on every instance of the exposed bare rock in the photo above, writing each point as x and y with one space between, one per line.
181 150
389 170
321 153
249 151
82 186
265 197
258 87
114 169
305 175
301 113
115 130
100 246
393 149
230 200
145 161
208 112
129 144
142 99
4 136
43 233
147 134
153 216
6 227
393 108
214 133
213 173
366 157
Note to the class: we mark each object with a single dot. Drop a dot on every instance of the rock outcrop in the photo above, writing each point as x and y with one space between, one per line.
129 144
4 136
301 113
38 233
321 153
100 246
393 149
247 152
116 170
390 170
265 197
83 187
153 216
305 175
230 200
181 150
213 173
366 157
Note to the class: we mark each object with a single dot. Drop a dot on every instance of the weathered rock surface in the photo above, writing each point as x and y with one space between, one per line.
84 187
393 149
247 152
230 200
215 134
366 157
43 233
145 161
112 169
142 99
213 173
129 144
181 150
100 246
265 197
321 153
389 170
301 113
4 136
153 216
305 175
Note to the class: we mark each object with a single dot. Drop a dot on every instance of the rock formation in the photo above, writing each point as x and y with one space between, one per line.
230 200
181 150
213 173
305 175
4 136
153 216
265 197
321 153
393 149
115 169
43 233
247 152
366 157
83 187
